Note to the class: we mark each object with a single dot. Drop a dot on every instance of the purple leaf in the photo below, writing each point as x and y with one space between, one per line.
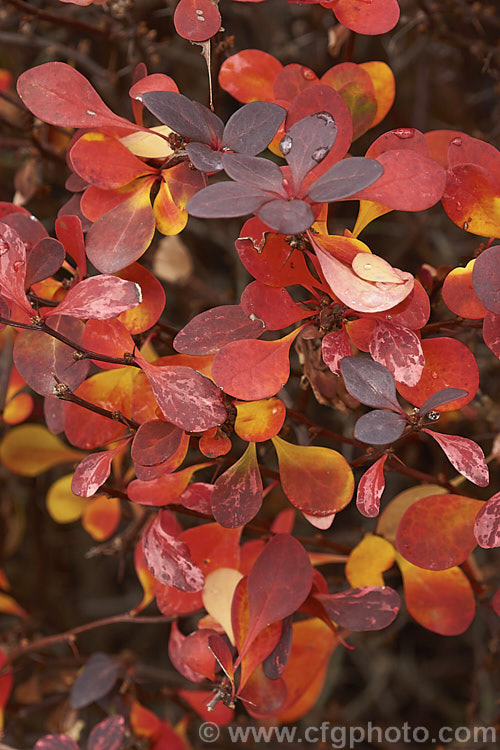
209 331
168 558
307 143
274 664
370 489
252 127
398 349
369 382
225 200
237 495
204 158
345 178
287 217
379 427
491 332
486 278
366 608
440 398
56 742
465 455
190 119
254 171
45 258
95 681
108 734
487 524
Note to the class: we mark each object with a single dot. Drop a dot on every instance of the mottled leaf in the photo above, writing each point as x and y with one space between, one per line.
209 331
108 734
237 494
465 455
365 608
370 489
169 558
93 471
55 742
99 297
398 349
487 523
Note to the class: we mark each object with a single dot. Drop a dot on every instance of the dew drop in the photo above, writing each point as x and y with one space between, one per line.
33 218
17 265
327 117
320 153
433 415
458 206
388 317
465 225
308 74
138 98
434 375
404 133
367 265
253 316
286 144
90 112
457 142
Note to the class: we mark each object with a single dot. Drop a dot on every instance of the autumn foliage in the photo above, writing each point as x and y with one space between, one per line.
214 456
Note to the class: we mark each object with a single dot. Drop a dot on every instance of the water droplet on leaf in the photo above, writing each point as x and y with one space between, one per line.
308 74
90 112
404 133
286 144
458 206
456 142
17 265
389 317
320 153
434 375
465 225
433 415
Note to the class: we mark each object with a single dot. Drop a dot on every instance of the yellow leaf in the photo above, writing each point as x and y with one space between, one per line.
62 504
368 561
368 212
384 85
148 145
218 595
31 449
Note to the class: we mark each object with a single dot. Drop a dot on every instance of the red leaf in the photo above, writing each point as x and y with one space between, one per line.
370 489
169 558
411 182
163 489
57 93
209 331
108 734
266 370
450 519
273 306
156 441
196 655
365 608
13 268
465 455
186 398
197 20
291 80
99 297
122 235
93 471
237 495
399 350
101 160
175 654
375 17
495 602
278 583
107 337
487 523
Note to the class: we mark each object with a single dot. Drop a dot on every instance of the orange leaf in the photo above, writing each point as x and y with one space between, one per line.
459 295
317 481
101 516
259 420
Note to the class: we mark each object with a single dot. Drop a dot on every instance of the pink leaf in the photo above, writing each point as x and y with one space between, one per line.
334 347
465 455
209 331
108 734
398 349
13 268
370 489
491 332
93 471
168 558
237 495
186 398
99 297
56 742
487 524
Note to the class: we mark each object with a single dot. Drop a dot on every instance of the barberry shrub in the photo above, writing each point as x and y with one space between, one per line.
211 455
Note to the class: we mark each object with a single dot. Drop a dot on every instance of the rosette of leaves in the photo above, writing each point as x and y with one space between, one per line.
373 385
280 197
248 131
